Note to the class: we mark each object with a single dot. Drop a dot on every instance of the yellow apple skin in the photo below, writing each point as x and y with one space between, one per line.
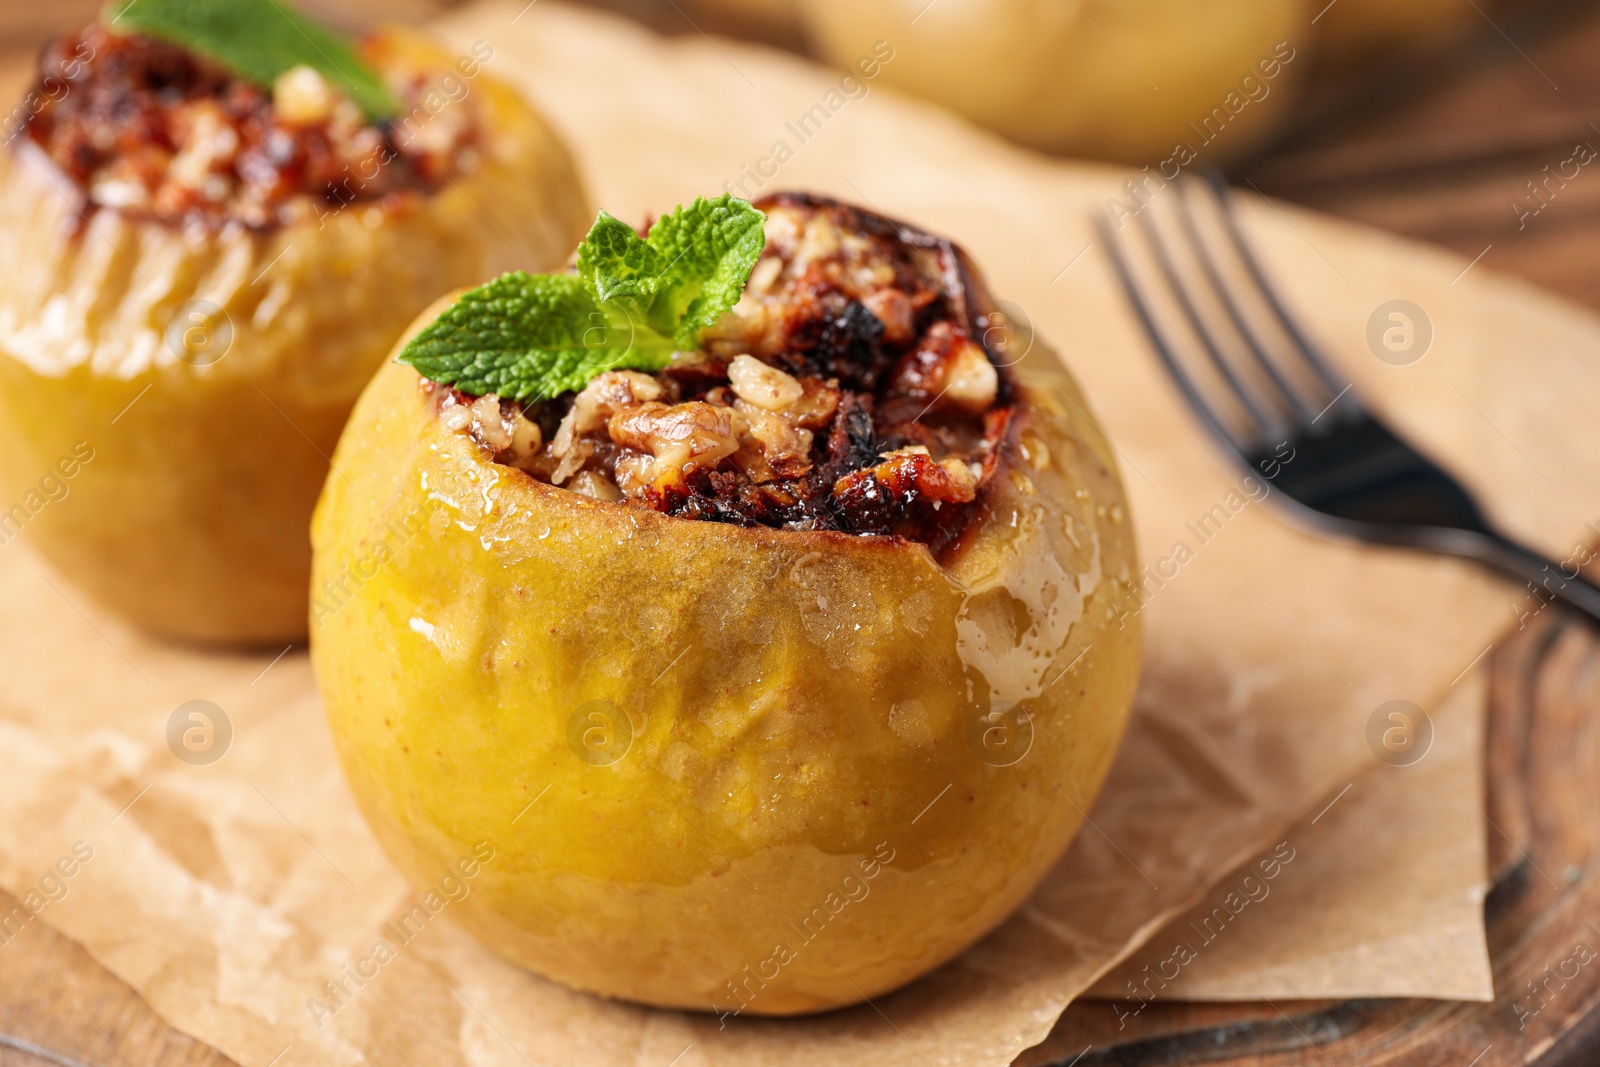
719 768
1117 80
191 517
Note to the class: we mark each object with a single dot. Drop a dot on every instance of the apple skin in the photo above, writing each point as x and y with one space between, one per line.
1120 80
719 768
191 518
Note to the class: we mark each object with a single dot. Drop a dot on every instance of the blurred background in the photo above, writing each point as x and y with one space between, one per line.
1468 123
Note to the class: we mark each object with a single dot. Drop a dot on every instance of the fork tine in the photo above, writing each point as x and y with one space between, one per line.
1286 394
1266 422
1306 349
1146 315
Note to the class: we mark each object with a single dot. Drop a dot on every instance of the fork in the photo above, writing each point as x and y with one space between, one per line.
1265 392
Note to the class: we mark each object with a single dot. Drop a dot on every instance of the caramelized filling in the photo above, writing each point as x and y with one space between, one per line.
846 391
149 128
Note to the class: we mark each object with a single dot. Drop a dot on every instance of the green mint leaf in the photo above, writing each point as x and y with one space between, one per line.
258 40
632 304
686 274
531 337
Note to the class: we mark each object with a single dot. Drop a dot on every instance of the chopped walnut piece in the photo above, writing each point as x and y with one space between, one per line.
604 396
681 437
750 460
598 486
820 240
815 408
765 275
572 460
526 439
766 387
526 451
303 97
633 474
892 308
950 370
609 393
971 381
910 470
210 144
746 321
962 477
490 424
785 447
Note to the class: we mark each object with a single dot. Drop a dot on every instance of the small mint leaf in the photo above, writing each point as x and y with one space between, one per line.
531 337
632 303
258 40
686 274
622 268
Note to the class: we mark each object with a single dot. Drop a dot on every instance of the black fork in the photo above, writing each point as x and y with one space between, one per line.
1263 390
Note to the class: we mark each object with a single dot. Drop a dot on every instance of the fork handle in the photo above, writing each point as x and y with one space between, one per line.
1547 580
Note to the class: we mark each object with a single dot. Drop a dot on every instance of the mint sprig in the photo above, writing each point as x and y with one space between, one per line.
257 40
531 336
689 271
631 304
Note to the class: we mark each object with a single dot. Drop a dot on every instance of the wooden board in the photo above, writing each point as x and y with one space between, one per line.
1442 148
1543 762
57 1005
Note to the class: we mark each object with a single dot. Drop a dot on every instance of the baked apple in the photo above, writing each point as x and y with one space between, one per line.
205 269
777 661
1135 81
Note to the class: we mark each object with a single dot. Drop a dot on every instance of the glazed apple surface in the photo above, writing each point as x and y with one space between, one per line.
204 273
774 678
1134 81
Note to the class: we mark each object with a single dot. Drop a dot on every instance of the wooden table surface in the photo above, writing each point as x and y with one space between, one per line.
1440 148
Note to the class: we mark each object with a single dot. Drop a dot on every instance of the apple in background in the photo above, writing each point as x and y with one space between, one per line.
1124 80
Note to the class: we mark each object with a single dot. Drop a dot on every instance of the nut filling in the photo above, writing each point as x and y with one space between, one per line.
154 130
847 390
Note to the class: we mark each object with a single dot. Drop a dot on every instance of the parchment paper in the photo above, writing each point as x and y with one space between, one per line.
1383 895
229 894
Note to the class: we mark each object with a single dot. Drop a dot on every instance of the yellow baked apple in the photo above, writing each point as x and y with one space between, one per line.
1125 80
202 274
770 675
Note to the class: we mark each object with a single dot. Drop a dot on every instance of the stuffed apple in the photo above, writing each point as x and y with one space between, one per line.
1135 81
212 245
743 591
